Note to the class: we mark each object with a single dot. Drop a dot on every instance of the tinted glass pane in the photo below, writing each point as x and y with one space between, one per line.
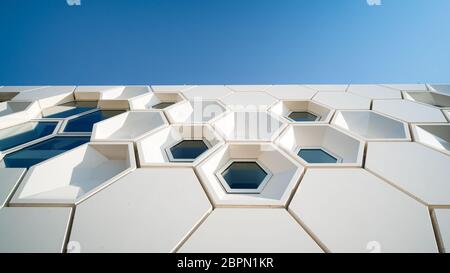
302 116
70 109
39 152
86 104
316 156
244 175
23 133
188 149
86 122
162 105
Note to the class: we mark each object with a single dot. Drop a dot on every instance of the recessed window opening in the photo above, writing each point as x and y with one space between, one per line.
303 116
243 176
317 155
187 150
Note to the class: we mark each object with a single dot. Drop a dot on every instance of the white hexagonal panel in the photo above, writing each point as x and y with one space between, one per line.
414 168
351 210
328 87
408 87
248 101
128 126
207 92
374 91
371 126
156 148
321 145
33 230
342 100
283 172
291 92
9 178
196 111
442 217
249 126
250 231
75 175
18 89
170 88
408 111
148 210
248 88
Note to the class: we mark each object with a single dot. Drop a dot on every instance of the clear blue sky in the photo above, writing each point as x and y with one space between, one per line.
223 41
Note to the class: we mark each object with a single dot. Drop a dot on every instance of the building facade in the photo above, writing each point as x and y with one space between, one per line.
225 168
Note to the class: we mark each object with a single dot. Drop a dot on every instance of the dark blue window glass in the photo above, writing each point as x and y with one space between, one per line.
162 105
244 175
69 113
86 122
39 152
23 133
302 116
188 150
316 156
73 108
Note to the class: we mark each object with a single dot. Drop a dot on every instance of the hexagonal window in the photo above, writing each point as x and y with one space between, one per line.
409 111
16 112
317 155
433 135
11 107
129 126
86 122
243 176
249 174
303 116
70 177
69 109
322 144
119 97
7 96
23 133
180 145
32 155
302 111
431 98
371 125
187 150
